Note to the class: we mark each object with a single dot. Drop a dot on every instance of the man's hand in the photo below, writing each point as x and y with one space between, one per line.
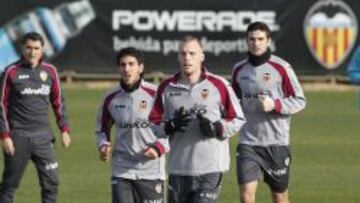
151 153
179 122
267 103
8 146
208 128
65 139
105 152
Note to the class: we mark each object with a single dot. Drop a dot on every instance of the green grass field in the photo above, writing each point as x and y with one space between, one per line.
325 148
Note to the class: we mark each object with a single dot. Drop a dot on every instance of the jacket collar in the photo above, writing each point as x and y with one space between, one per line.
259 60
132 88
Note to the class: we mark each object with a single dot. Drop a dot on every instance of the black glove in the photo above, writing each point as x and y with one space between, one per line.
179 122
210 129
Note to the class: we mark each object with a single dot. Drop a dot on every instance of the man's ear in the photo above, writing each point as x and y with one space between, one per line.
269 42
141 68
202 57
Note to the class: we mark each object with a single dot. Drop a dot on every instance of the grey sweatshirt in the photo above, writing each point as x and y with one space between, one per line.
275 79
128 112
191 152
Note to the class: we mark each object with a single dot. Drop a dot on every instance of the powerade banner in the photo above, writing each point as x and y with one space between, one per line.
316 37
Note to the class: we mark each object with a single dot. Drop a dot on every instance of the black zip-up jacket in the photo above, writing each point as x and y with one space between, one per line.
25 97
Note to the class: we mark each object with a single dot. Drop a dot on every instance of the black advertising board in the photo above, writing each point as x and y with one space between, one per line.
316 37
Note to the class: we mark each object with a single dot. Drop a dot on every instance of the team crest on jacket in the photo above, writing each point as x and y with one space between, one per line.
204 93
266 77
43 76
143 105
330 30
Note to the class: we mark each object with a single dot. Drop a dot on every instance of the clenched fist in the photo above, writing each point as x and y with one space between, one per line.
105 152
267 103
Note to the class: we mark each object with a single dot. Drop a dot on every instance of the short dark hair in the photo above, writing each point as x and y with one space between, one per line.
32 36
258 26
130 51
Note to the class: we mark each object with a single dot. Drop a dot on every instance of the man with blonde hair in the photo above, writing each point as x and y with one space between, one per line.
199 112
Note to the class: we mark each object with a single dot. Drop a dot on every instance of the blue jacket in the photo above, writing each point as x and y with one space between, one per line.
354 67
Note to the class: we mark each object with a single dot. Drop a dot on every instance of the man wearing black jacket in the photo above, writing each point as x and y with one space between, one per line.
28 87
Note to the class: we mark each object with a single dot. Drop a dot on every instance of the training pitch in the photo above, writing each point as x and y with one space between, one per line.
325 148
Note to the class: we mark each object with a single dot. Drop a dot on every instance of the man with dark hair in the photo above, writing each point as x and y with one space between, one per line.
130 51
28 87
34 36
270 93
138 160
199 111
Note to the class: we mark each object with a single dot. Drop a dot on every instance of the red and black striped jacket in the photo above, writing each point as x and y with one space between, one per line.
26 94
